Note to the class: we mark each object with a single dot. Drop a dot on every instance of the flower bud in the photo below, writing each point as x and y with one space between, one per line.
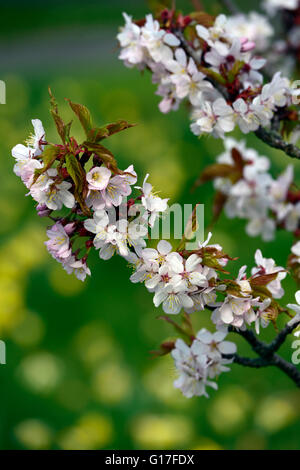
43 210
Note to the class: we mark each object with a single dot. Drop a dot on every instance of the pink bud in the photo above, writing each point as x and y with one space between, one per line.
247 45
43 210
69 228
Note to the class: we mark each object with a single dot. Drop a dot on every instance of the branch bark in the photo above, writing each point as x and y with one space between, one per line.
267 352
273 139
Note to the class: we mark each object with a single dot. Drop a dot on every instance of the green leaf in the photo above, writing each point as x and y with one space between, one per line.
105 155
48 156
77 174
83 114
203 18
237 67
62 128
99 133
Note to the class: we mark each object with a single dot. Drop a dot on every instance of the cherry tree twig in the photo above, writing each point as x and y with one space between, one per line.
267 352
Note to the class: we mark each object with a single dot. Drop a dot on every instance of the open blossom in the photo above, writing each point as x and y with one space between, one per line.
202 361
237 310
118 187
58 244
98 178
78 267
132 50
157 41
186 77
216 118
173 298
26 163
54 196
153 204
213 35
267 266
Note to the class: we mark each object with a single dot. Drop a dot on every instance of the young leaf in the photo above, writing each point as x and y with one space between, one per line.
213 171
203 18
157 6
264 279
165 348
62 128
83 114
105 155
48 156
77 174
99 133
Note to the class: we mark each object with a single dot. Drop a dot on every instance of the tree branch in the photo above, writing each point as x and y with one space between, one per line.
247 361
273 139
281 337
267 352
261 348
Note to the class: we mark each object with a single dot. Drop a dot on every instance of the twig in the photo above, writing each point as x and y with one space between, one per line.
261 348
276 361
273 139
288 368
281 337
247 361
267 352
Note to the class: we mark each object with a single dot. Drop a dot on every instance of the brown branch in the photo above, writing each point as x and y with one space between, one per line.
273 139
267 352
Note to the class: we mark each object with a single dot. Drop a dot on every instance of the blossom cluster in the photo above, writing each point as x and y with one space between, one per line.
201 362
212 65
85 195
250 192
113 224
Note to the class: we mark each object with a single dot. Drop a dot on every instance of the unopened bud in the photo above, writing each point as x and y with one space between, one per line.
43 210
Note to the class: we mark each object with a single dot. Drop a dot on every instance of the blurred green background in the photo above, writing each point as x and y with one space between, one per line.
78 373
